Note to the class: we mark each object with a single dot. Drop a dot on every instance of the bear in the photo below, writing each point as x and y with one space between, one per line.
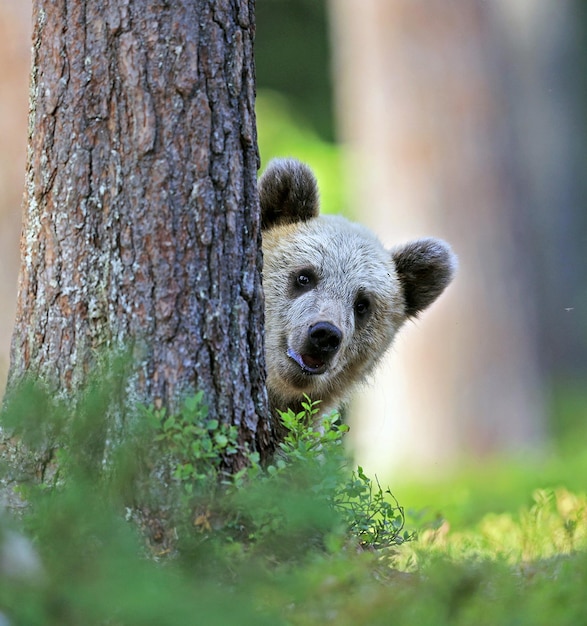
335 297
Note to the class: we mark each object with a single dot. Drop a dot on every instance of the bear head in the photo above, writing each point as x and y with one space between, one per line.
334 296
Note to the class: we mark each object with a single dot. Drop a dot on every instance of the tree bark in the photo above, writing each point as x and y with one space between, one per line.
141 222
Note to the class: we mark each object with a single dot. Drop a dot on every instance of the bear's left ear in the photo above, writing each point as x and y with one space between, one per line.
424 267
288 193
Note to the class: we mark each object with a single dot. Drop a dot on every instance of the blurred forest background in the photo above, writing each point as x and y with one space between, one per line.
465 120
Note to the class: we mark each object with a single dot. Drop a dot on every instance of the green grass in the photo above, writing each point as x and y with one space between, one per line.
506 484
498 486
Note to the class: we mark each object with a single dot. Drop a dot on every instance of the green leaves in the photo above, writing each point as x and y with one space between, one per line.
310 490
370 516
304 438
196 445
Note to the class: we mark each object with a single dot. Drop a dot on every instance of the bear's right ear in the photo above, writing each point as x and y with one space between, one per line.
288 193
424 267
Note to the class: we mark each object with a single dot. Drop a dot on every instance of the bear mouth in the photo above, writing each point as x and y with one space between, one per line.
308 363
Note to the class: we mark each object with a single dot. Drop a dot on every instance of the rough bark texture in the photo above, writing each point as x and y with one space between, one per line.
141 222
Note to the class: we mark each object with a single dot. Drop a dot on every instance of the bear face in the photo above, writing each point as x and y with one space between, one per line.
334 296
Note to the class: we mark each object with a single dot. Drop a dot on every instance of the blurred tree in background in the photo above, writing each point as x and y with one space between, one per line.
15 32
433 148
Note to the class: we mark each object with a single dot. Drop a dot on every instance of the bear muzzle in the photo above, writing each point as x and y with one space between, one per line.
321 344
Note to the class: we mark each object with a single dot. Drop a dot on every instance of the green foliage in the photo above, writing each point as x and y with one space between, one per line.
325 503
197 445
553 526
283 133
314 465
303 441
376 521
293 543
292 57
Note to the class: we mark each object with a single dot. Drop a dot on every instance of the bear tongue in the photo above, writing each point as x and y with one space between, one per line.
312 362
307 362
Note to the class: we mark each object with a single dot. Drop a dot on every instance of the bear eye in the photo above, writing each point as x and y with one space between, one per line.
303 280
362 306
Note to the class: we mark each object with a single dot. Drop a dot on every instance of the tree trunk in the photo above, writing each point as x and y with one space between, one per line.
421 101
141 223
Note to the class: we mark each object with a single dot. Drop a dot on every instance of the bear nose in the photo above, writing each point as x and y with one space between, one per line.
325 337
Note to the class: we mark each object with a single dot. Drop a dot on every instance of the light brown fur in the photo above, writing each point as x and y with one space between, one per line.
335 297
